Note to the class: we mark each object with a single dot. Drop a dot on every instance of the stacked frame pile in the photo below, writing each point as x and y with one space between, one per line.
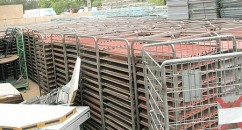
138 73
30 54
117 84
112 79
71 44
45 66
178 90
91 91
60 61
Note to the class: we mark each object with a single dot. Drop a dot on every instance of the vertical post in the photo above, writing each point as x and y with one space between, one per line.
89 4
100 83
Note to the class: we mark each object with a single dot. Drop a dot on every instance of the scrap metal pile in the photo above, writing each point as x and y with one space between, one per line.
112 77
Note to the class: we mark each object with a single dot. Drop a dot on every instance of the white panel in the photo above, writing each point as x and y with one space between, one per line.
229 115
191 85
8 89
18 115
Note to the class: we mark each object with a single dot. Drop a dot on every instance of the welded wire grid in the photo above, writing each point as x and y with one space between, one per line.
185 93
138 67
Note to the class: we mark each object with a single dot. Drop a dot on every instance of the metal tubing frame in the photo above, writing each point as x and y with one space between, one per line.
98 76
22 58
64 54
130 75
40 37
65 44
171 43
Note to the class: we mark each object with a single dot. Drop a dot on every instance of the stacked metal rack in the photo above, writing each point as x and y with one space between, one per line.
90 82
30 54
44 58
71 45
112 76
117 84
136 45
185 85
206 119
60 59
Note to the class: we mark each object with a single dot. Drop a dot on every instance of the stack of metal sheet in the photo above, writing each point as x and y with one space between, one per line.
177 9
203 9
231 8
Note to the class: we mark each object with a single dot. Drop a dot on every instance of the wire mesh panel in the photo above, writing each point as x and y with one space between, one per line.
138 67
182 94
139 81
179 101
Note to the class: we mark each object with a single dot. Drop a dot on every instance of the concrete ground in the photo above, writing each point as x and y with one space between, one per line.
33 91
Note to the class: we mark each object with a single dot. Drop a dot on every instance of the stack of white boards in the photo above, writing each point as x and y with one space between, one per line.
45 117
9 94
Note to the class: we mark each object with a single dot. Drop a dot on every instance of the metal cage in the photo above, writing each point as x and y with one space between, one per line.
183 93
184 78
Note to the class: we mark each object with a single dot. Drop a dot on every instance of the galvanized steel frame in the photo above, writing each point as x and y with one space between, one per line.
146 55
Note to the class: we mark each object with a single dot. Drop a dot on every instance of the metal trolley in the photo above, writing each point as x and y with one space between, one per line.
182 85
